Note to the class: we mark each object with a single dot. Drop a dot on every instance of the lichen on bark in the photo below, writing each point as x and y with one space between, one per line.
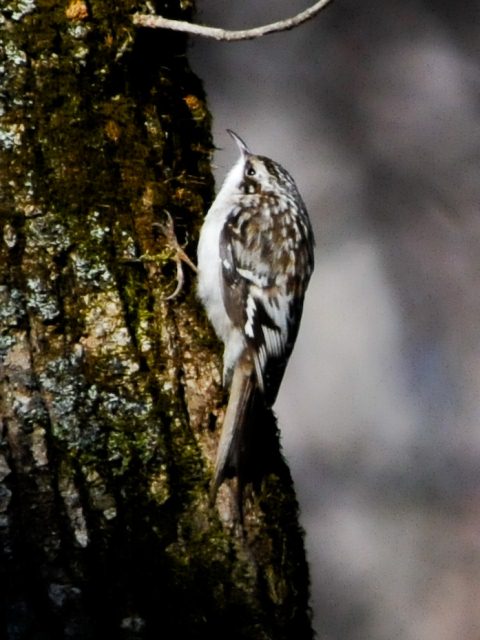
110 392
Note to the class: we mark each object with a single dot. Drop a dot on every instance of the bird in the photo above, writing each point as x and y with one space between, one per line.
255 257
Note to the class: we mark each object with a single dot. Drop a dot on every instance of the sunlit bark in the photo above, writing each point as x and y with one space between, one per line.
109 391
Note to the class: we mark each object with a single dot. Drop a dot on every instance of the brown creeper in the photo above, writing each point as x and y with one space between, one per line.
255 259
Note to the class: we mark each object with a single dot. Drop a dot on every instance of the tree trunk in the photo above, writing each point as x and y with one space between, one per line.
110 394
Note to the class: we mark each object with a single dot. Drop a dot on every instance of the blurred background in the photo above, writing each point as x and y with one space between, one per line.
374 109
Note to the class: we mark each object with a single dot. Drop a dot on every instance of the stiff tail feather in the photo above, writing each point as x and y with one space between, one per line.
237 413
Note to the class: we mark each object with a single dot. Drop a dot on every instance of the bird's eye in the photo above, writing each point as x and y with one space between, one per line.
251 171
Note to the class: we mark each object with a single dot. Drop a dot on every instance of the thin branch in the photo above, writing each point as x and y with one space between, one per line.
158 22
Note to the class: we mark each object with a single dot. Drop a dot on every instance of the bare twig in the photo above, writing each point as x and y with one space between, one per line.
158 22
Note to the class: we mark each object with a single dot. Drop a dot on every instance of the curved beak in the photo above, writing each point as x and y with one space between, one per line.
244 150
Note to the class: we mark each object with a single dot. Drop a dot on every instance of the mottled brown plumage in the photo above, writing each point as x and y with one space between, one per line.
255 259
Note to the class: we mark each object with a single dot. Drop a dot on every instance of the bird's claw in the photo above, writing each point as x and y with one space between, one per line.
179 255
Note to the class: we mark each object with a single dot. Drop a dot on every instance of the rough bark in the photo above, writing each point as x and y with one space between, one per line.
110 395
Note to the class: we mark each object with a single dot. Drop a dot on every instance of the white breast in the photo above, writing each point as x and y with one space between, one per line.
210 269
209 266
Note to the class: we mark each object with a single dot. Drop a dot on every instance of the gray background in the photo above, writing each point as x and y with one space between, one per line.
373 107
